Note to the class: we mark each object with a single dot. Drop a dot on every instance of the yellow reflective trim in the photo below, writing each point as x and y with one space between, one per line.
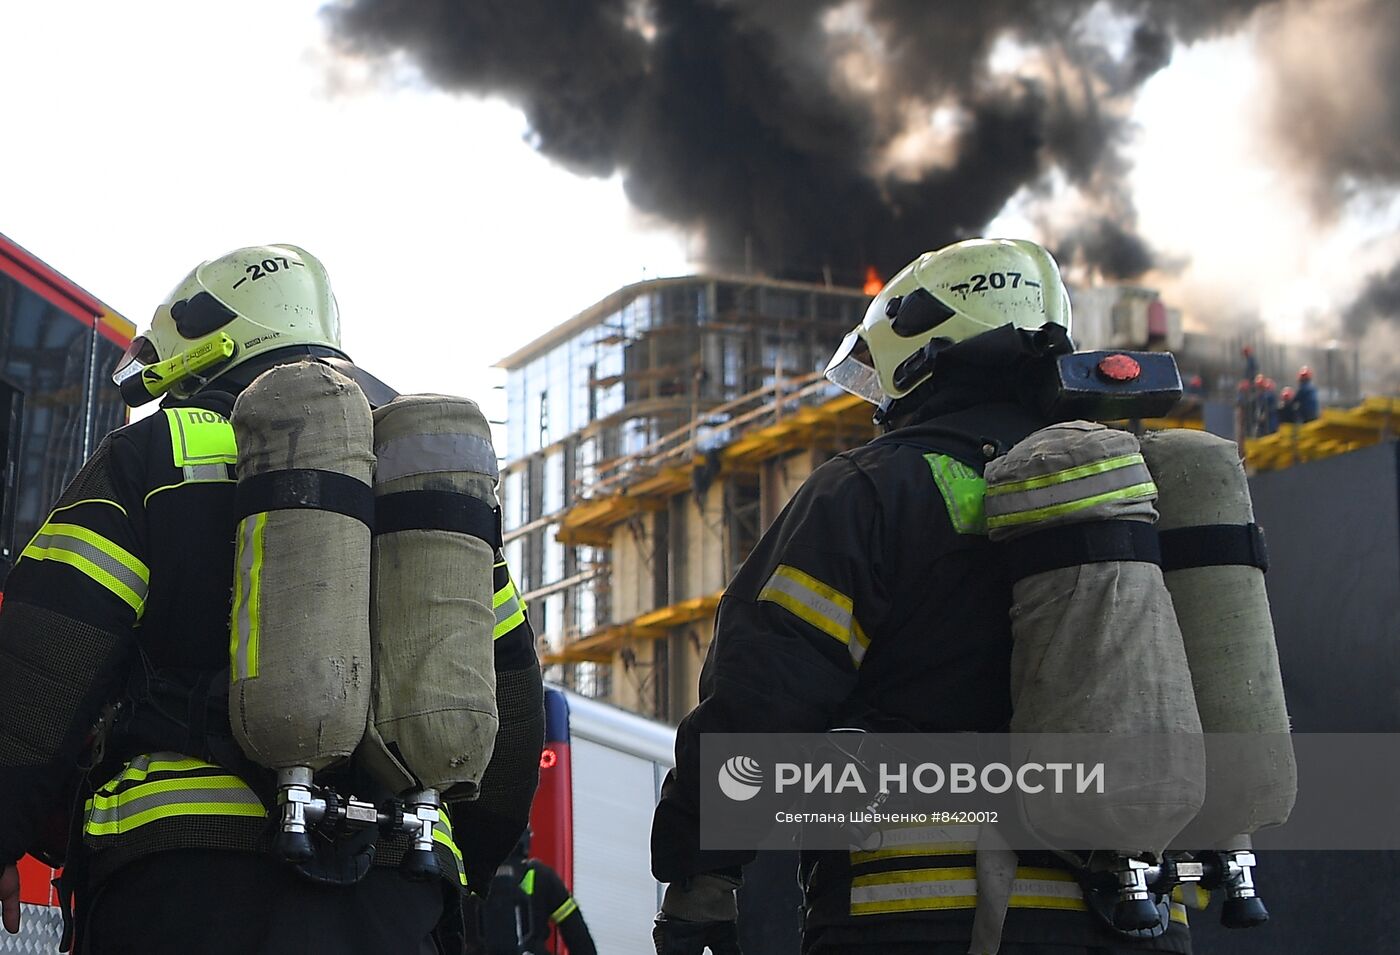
198 436
1177 912
860 643
171 487
528 882
102 800
504 594
1192 895
963 879
134 771
914 905
1069 474
806 603
175 809
443 838
255 598
89 500
122 589
508 624
1048 902
803 612
1069 507
564 911
245 625
118 554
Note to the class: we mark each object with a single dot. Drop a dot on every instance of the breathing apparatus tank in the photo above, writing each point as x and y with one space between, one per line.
1213 558
1072 508
433 719
300 653
1242 777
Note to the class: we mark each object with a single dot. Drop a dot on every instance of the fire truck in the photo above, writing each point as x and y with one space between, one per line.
58 344
600 778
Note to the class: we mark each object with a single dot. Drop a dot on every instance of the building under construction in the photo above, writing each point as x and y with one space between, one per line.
659 365
654 436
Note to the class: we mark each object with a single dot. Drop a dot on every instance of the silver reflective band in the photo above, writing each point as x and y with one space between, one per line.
208 472
53 544
434 453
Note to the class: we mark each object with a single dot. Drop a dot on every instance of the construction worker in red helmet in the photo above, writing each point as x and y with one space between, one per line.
1307 397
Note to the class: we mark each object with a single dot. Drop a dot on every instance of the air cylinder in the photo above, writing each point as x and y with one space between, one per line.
1214 559
300 647
1096 647
437 533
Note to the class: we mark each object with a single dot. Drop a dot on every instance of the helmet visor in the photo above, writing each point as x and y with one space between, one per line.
852 369
140 354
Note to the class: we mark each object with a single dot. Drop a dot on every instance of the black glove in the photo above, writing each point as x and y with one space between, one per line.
697 913
675 936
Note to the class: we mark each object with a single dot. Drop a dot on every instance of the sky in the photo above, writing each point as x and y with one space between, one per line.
141 139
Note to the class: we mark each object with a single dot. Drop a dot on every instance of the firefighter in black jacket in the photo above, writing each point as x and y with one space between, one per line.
526 898
116 616
874 599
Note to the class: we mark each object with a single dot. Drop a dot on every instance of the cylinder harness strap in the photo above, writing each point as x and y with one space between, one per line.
1214 545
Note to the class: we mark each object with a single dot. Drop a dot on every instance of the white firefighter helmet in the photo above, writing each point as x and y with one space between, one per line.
228 310
955 293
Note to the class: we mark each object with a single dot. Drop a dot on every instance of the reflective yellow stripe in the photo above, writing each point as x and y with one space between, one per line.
442 834
247 598
199 437
955 887
94 556
142 766
1068 474
899 842
1146 490
859 644
810 600
139 819
106 800
1193 896
1177 913
564 911
509 609
88 500
528 883
110 812
198 476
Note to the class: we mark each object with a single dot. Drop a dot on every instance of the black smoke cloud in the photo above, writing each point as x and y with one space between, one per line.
762 125
1379 301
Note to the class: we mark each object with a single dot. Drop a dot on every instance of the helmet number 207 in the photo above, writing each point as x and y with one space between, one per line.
994 280
266 267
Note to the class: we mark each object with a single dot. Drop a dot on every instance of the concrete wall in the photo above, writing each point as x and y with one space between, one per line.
631 579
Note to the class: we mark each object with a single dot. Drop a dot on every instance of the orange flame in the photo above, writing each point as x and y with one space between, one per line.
873 283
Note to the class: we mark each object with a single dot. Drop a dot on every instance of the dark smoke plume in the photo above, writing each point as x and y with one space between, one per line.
1379 301
767 126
